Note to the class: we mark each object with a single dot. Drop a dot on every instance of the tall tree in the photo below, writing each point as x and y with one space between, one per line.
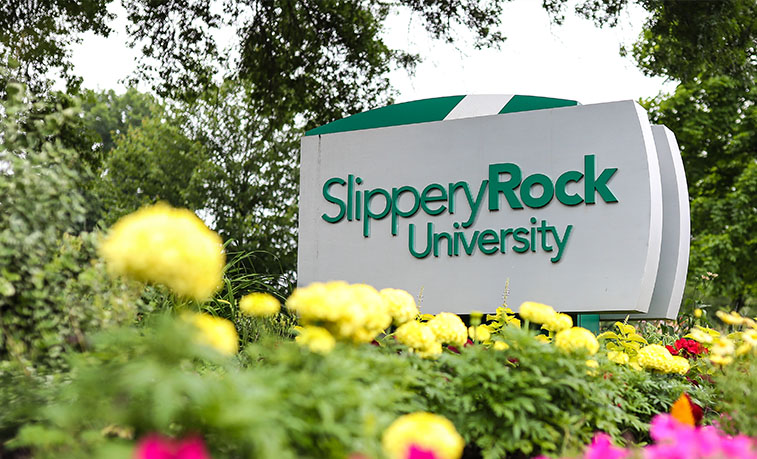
249 182
109 115
217 156
36 36
715 121
152 161
319 58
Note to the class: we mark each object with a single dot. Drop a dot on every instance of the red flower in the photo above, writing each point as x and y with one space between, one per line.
687 348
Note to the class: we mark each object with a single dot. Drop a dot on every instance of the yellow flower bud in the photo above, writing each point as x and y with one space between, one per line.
536 312
317 339
259 304
218 333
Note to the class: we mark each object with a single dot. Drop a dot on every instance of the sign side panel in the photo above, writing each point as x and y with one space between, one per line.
656 211
674 260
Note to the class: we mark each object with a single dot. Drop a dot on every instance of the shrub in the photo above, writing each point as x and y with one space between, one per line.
535 398
275 400
51 293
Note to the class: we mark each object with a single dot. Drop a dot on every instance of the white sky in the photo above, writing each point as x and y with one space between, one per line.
573 61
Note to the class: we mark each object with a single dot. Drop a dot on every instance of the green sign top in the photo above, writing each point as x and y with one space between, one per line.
427 110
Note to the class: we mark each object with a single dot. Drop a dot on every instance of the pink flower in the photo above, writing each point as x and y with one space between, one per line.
675 440
602 448
155 446
416 452
738 446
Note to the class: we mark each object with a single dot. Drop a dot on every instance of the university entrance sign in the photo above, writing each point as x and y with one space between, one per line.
583 207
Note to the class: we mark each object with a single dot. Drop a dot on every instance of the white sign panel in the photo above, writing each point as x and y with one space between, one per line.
566 203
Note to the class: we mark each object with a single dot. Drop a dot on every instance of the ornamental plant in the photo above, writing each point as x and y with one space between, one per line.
53 290
575 339
624 343
273 400
657 357
448 328
215 332
159 447
420 338
168 246
401 304
350 312
421 432
673 439
526 398
259 304
687 348
316 339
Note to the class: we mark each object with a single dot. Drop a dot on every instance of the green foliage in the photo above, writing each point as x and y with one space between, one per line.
684 40
110 115
50 292
37 36
217 157
687 40
153 161
22 392
275 401
533 398
715 121
320 58
735 385
238 281
248 182
625 340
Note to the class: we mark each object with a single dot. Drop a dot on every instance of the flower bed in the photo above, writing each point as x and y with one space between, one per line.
211 369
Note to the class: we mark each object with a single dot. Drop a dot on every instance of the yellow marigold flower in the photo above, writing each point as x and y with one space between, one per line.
731 318
418 337
576 338
317 339
481 333
501 346
621 358
167 246
750 337
354 312
680 365
536 312
656 357
703 335
432 351
216 332
259 304
401 305
427 431
721 359
542 338
558 322
592 363
743 349
722 346
449 328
